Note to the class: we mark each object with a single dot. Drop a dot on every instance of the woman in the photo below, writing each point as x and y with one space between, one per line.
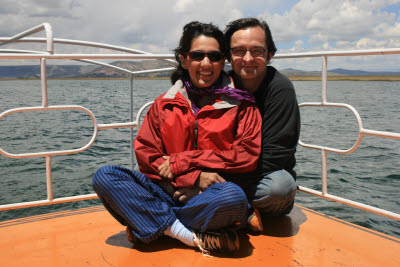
199 125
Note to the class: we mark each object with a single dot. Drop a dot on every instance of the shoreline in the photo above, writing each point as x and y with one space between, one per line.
348 78
292 78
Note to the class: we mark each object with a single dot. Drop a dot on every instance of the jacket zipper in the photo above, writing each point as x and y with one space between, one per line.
195 134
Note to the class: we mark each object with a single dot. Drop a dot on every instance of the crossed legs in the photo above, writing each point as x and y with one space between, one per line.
134 200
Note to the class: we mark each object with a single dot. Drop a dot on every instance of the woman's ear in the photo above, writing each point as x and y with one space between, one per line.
184 62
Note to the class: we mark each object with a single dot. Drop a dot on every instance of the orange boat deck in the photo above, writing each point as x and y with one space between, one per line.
92 237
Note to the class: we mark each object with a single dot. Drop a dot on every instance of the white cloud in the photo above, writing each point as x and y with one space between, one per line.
386 30
332 21
182 5
366 43
297 47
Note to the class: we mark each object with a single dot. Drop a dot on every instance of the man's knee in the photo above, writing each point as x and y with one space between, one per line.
276 185
275 193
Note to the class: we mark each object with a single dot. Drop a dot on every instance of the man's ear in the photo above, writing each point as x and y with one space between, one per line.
269 57
184 62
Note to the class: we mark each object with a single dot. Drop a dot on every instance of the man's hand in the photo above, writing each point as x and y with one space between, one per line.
185 194
164 170
208 178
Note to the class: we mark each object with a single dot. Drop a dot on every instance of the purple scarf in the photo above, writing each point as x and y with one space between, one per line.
215 89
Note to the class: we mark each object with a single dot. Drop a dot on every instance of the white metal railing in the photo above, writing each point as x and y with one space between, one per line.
137 54
361 130
4 53
45 26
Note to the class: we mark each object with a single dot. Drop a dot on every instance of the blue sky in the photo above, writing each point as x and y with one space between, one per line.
155 26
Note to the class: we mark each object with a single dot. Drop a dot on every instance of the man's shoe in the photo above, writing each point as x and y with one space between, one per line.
254 222
225 241
131 236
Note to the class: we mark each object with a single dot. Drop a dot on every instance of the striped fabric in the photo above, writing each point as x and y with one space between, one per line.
133 199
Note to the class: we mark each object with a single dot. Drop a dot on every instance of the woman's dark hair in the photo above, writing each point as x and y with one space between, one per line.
191 31
245 23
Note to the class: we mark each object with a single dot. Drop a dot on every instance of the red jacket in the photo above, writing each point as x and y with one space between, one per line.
228 137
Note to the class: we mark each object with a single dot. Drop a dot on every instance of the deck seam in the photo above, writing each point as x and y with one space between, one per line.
50 216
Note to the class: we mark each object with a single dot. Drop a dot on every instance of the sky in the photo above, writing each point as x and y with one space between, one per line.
156 26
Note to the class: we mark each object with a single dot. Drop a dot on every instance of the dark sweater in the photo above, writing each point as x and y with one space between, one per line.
276 100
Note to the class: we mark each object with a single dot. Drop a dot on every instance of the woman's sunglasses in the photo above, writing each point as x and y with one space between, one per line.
213 56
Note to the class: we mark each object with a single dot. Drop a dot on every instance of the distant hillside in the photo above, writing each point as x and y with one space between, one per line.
294 72
85 71
53 71
362 73
94 71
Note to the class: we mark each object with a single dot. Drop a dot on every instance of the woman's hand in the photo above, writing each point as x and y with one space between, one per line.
164 170
206 179
185 194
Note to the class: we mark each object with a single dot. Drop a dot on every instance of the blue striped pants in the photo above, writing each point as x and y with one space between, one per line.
132 198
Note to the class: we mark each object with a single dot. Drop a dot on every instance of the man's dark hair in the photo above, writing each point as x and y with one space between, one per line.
191 31
245 23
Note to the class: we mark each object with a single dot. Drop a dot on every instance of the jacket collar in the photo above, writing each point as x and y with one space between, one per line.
172 95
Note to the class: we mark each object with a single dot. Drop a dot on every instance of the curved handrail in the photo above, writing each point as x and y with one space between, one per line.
19 51
141 111
44 26
86 56
51 153
84 43
335 150
345 53
361 130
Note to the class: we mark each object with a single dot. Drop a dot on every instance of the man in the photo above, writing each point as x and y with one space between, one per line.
271 188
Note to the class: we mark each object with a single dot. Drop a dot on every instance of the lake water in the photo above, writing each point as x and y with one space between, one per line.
370 175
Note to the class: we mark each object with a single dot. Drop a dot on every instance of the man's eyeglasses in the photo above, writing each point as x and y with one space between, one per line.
213 56
241 52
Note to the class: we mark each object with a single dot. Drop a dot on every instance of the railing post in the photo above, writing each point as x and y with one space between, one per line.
49 178
131 120
49 37
43 78
324 173
324 77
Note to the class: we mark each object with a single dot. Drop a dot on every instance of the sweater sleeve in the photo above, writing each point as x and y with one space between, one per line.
150 150
242 157
280 126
